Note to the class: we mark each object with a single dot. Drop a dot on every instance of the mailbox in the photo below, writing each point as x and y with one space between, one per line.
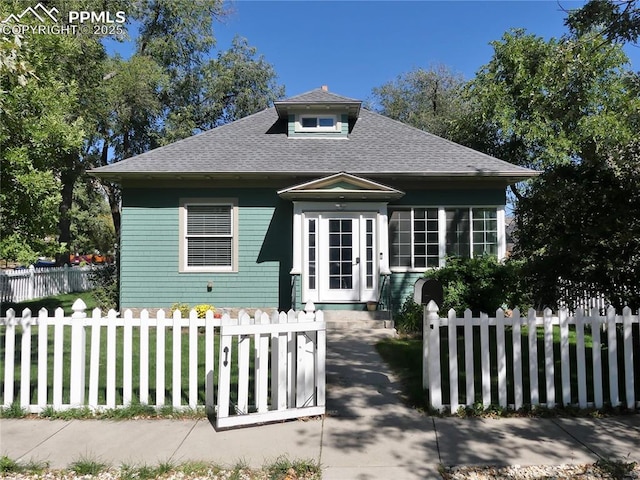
427 289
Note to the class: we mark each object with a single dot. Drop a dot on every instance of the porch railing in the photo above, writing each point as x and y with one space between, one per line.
384 295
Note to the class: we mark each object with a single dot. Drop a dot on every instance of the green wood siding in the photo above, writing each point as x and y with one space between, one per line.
402 285
150 247
291 128
467 197
150 251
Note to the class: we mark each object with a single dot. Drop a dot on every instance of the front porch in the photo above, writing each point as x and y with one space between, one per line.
340 241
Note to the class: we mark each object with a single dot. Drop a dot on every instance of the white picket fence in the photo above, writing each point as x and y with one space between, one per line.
32 283
586 297
105 354
296 350
506 380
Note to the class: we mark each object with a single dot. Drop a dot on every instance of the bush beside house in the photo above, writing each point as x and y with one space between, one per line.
481 284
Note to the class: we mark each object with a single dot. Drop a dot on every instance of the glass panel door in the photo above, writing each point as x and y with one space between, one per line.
339 261
341 256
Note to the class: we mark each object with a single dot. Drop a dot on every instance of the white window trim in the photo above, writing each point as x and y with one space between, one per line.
182 248
337 127
442 233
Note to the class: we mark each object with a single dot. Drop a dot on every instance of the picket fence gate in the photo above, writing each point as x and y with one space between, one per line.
491 348
31 283
288 348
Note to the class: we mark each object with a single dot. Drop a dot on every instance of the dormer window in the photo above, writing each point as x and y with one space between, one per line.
317 123
319 114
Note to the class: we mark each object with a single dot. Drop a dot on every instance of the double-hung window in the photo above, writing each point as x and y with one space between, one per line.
421 238
208 239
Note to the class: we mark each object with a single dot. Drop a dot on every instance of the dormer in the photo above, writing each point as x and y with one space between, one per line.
318 114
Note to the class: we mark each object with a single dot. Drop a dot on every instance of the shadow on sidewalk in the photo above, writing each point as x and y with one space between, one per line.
365 411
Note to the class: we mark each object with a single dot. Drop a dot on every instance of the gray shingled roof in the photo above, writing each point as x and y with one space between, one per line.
259 143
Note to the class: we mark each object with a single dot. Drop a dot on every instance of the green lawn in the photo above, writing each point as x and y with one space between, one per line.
65 301
50 303
168 367
404 355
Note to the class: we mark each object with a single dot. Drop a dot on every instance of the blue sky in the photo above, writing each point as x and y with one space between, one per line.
354 46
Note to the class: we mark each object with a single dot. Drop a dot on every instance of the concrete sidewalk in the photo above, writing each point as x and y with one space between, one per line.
367 433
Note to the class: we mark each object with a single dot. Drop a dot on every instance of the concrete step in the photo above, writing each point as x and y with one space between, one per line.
350 319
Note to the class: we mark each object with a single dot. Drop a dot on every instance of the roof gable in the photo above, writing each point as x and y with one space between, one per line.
318 98
319 95
341 186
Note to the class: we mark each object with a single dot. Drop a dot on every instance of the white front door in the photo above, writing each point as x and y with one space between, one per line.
340 260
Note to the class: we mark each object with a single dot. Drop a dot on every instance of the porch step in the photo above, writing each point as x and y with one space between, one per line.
353 319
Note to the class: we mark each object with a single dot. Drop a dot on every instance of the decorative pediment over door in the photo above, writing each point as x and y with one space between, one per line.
341 186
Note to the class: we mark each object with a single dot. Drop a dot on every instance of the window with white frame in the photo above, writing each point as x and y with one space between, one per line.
413 238
208 239
420 238
485 231
317 123
457 232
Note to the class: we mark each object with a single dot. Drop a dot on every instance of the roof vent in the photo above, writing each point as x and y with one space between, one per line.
325 88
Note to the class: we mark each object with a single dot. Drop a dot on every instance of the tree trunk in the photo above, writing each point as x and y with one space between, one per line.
113 196
68 179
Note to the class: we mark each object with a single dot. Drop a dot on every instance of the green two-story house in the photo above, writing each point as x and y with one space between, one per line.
314 199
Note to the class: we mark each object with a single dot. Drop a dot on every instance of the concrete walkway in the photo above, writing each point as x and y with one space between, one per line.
367 433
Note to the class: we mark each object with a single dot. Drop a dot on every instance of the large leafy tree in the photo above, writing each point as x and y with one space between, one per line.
539 103
171 87
40 129
69 107
92 224
51 107
581 222
430 100
562 107
617 20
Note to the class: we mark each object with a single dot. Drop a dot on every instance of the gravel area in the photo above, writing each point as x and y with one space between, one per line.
538 472
117 475
202 474
578 472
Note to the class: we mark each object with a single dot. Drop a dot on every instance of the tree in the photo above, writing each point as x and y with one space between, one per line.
131 118
38 130
170 88
92 225
83 65
233 85
562 107
581 223
616 20
430 100
61 89
68 107
541 103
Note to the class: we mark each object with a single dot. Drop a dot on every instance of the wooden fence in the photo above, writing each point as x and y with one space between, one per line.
32 283
579 360
296 350
110 362
587 297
